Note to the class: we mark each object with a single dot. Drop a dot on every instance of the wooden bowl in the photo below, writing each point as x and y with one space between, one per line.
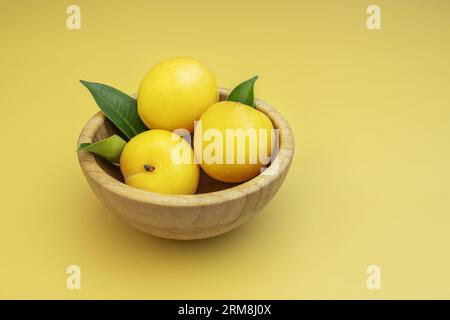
216 208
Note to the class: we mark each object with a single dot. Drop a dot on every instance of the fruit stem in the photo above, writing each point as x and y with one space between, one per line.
149 168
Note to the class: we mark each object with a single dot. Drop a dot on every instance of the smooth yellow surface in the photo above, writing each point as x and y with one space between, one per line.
214 151
160 161
175 93
369 183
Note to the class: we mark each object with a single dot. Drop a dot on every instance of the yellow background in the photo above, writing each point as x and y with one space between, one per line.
369 183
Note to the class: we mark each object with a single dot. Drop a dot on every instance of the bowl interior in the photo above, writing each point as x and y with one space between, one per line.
206 184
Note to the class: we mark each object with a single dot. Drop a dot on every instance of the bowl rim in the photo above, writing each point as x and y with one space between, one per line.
283 159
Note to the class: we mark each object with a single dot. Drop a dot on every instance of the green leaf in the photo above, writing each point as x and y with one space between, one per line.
82 145
109 148
244 92
119 107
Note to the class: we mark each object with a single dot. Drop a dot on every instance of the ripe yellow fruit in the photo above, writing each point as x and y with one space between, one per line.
175 93
147 163
221 121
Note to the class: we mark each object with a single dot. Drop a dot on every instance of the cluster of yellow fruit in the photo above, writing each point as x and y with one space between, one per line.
175 95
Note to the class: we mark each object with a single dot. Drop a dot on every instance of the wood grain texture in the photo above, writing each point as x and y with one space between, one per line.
216 208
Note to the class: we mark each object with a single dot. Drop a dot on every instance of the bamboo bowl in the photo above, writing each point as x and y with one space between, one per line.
216 208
